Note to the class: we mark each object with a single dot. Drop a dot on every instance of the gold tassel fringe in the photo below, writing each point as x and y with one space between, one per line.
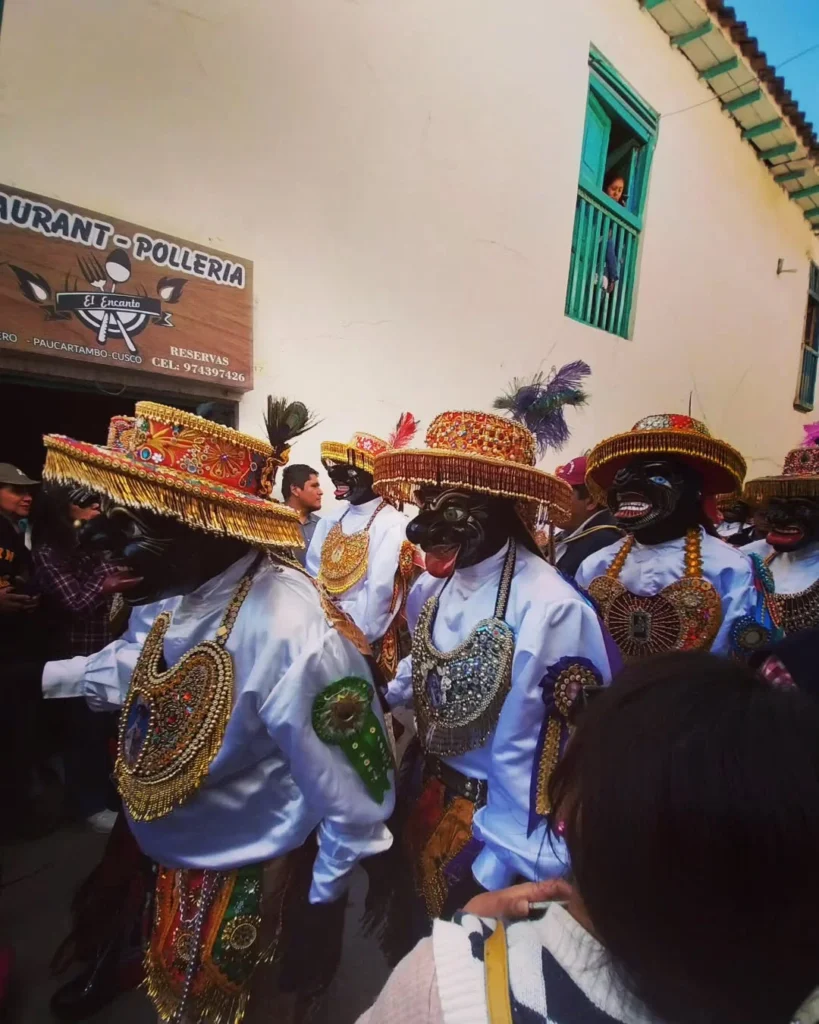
335 451
709 450
398 474
756 491
179 417
218 1007
173 494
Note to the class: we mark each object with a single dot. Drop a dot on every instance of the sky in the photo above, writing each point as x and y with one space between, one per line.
784 28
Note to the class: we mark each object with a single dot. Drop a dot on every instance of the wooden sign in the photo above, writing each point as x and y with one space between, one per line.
77 285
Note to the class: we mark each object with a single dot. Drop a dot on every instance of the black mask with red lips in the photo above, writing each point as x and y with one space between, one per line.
351 483
789 523
169 558
457 528
655 498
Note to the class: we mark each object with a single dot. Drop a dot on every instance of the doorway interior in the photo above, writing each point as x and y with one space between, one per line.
33 406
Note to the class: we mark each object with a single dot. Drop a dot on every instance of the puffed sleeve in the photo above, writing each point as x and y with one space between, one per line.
380 608
738 592
103 678
312 559
343 770
559 656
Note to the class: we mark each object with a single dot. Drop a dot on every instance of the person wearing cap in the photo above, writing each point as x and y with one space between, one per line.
671 583
16 496
252 760
504 652
591 525
359 553
787 508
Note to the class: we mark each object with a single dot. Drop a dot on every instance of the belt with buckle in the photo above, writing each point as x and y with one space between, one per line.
471 789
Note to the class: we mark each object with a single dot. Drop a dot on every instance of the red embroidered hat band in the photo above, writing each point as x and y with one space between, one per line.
722 467
177 464
477 451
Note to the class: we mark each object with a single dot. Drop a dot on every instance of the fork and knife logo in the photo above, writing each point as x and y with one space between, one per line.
105 311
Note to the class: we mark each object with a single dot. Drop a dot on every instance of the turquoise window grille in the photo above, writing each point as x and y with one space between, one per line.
806 386
618 141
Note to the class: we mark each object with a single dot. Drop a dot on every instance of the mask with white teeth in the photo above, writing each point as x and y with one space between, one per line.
656 499
351 483
790 523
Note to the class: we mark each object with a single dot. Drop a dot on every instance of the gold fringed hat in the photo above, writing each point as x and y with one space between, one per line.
362 449
176 464
721 467
799 478
479 452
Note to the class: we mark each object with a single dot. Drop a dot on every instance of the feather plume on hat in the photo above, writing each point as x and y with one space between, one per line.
539 404
811 434
405 430
285 421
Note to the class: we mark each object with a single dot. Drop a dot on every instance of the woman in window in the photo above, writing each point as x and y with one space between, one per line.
614 187
687 798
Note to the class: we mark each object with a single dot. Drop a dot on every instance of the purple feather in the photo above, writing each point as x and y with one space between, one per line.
811 434
540 404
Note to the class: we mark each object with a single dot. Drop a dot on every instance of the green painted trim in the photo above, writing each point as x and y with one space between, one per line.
599 64
684 38
812 213
800 172
720 69
742 101
771 154
803 193
617 106
762 129
649 5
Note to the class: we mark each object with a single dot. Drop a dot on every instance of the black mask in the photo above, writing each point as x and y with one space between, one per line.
351 484
656 499
456 528
736 512
790 523
170 558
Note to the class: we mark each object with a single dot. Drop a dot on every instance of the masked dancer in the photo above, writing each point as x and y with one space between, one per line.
252 760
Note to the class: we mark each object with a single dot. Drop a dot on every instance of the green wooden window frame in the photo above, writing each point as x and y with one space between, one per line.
620 131
806 385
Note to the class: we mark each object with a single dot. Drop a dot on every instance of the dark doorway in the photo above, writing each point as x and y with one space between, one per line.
31 407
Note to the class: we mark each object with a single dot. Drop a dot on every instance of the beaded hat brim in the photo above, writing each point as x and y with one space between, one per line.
399 473
791 486
335 451
721 466
197 502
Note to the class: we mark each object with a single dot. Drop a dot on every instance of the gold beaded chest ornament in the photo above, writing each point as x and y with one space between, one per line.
799 479
345 556
687 614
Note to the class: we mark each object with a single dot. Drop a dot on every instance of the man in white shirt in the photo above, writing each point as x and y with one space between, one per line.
252 764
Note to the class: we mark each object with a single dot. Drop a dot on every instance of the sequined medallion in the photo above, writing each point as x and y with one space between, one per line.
459 694
344 556
794 612
684 616
174 720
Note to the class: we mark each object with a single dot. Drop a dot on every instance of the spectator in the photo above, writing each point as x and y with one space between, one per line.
614 187
22 664
591 527
76 588
302 491
687 799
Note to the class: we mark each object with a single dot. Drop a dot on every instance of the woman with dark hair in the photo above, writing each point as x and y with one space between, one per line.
688 799
76 588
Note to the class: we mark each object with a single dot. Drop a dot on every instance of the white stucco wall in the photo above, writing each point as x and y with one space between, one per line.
403 173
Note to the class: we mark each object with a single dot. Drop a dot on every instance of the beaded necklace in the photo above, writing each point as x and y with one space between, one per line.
174 719
344 556
459 694
684 616
793 612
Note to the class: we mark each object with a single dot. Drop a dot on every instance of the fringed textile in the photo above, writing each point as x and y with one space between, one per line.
195 503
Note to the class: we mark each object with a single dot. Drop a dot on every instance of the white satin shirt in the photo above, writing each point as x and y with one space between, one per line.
551 621
273 781
650 568
793 571
368 602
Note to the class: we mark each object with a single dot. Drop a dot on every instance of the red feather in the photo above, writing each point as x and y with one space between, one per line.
404 432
